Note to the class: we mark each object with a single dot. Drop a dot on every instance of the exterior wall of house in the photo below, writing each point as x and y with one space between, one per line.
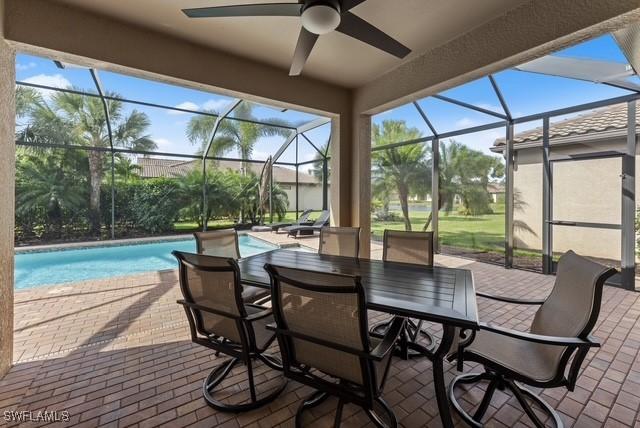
310 196
583 191
7 194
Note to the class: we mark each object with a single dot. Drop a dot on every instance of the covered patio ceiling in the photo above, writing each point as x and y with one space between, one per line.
421 25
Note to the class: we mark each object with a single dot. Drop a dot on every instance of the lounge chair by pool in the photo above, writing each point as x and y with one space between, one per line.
321 221
303 220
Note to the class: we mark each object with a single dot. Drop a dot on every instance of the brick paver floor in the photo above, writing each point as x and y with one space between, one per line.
117 353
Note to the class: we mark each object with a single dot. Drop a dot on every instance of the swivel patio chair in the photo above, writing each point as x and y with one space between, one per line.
340 241
416 248
321 326
541 357
224 243
303 220
220 320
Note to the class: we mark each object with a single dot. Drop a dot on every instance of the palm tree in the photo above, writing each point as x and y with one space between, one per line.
317 167
47 183
234 134
125 169
68 118
466 173
405 167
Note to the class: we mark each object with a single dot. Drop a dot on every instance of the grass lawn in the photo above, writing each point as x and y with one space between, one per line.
485 232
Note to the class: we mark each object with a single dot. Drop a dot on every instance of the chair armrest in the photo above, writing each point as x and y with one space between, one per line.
389 340
511 299
265 312
590 342
205 309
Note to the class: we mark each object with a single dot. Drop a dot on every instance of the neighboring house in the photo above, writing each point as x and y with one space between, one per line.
496 191
310 190
584 190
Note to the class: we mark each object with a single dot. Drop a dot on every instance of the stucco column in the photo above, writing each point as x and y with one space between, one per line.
7 206
361 181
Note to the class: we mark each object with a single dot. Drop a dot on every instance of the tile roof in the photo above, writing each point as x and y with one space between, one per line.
599 120
171 168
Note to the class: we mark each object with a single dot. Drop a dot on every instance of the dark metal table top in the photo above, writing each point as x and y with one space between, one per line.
438 294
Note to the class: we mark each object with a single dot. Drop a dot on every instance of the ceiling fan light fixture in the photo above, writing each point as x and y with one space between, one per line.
321 17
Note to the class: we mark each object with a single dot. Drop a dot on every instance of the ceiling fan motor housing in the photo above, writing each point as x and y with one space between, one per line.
320 16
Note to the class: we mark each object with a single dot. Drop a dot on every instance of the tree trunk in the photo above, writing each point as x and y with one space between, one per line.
403 195
95 173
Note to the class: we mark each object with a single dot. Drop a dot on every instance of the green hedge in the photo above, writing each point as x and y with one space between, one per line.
150 206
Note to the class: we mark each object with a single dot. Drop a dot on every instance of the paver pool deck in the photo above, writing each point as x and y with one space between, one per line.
117 352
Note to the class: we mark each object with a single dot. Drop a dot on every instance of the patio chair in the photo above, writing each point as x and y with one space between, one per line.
340 241
559 331
224 243
220 320
400 246
321 221
303 220
321 326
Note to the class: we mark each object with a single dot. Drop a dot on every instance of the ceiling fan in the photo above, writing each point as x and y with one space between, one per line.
318 17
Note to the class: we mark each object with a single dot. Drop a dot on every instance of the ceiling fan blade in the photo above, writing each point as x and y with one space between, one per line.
269 9
358 28
349 4
306 41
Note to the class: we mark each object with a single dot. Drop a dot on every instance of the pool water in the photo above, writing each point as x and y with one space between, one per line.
56 267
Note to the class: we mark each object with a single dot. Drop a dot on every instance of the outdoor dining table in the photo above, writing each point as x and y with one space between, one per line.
436 294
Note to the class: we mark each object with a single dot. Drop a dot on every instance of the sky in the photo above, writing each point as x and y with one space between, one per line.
525 93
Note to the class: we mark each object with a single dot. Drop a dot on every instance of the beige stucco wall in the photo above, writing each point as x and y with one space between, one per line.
583 191
310 196
7 181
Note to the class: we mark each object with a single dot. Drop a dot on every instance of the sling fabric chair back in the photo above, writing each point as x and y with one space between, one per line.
408 247
326 317
572 308
340 241
218 243
213 283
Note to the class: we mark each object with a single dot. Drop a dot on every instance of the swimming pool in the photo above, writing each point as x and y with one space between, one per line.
35 269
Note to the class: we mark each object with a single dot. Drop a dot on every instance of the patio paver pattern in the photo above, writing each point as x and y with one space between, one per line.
117 352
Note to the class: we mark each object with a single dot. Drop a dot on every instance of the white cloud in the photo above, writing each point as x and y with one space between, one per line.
53 80
465 122
215 104
23 67
187 105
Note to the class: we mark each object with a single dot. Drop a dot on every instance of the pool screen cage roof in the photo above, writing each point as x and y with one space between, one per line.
294 134
618 82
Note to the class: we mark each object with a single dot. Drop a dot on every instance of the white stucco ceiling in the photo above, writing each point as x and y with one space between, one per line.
419 24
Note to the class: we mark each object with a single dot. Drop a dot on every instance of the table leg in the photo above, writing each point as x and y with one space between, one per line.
437 359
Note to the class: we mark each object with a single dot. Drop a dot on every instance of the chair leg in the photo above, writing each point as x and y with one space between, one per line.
520 392
312 401
486 400
338 418
219 373
496 381
375 418
412 330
